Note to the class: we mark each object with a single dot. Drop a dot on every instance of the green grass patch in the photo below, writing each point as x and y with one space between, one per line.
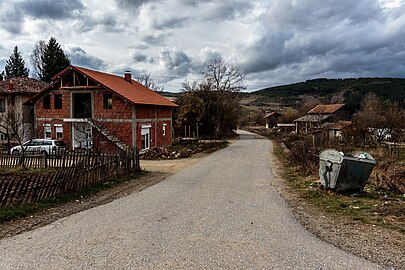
19 211
368 207
21 170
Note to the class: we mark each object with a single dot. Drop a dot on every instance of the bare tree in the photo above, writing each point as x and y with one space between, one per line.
36 57
146 80
369 122
221 83
17 132
219 98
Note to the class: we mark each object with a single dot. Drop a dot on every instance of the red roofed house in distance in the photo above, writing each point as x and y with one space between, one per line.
92 109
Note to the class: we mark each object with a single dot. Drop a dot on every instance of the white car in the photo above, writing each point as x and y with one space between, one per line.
40 146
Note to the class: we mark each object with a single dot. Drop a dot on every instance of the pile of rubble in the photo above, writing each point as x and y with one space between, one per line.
163 153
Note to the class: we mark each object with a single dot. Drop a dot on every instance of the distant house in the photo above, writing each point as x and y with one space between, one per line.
286 128
13 93
335 130
92 109
271 119
321 116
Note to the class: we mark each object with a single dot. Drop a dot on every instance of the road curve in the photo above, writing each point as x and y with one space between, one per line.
221 213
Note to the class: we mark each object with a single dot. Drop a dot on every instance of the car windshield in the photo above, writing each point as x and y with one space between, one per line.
60 143
28 143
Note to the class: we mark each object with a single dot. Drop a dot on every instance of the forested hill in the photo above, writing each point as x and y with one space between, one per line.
350 91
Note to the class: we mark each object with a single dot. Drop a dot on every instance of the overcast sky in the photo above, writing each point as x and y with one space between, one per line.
274 42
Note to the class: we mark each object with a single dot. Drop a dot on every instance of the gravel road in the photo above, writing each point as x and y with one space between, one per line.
221 213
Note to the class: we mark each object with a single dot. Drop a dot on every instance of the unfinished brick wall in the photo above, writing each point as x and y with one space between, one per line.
40 127
117 120
121 109
64 112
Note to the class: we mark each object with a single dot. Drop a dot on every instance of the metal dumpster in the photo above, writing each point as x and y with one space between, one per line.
345 172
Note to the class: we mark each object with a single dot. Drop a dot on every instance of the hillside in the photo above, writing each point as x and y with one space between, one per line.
349 91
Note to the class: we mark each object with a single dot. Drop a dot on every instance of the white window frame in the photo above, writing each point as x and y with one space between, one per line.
47 129
164 129
59 129
146 131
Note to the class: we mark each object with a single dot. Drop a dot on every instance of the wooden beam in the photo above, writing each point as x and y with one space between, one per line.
81 87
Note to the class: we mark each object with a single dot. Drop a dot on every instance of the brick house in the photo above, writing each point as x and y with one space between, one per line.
321 116
14 115
92 109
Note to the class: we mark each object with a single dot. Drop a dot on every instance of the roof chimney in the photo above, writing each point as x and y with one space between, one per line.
127 76
10 86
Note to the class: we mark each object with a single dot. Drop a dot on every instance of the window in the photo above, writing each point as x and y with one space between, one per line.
2 105
107 98
145 136
46 102
164 129
45 143
47 131
3 136
57 101
59 131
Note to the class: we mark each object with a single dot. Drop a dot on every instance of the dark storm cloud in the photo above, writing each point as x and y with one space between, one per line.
337 38
80 57
105 23
192 3
11 18
169 23
175 62
157 39
228 10
132 3
49 9
142 58
12 14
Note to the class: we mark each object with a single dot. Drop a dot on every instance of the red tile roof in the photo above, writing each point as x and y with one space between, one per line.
132 91
327 109
270 114
22 85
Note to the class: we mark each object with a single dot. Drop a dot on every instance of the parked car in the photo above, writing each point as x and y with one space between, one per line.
40 146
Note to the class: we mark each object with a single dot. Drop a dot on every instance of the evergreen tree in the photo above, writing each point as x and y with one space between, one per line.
53 60
2 76
15 65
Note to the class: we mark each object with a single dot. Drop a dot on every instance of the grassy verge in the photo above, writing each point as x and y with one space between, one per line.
373 206
18 211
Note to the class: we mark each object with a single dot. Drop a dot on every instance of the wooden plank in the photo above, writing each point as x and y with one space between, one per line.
19 185
24 188
6 183
8 194
33 188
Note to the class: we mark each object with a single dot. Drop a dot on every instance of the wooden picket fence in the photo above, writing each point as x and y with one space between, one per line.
70 172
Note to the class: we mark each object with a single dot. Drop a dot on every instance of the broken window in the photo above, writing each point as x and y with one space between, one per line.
57 101
46 102
107 101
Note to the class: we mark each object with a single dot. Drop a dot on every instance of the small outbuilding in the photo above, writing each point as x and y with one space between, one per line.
271 119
